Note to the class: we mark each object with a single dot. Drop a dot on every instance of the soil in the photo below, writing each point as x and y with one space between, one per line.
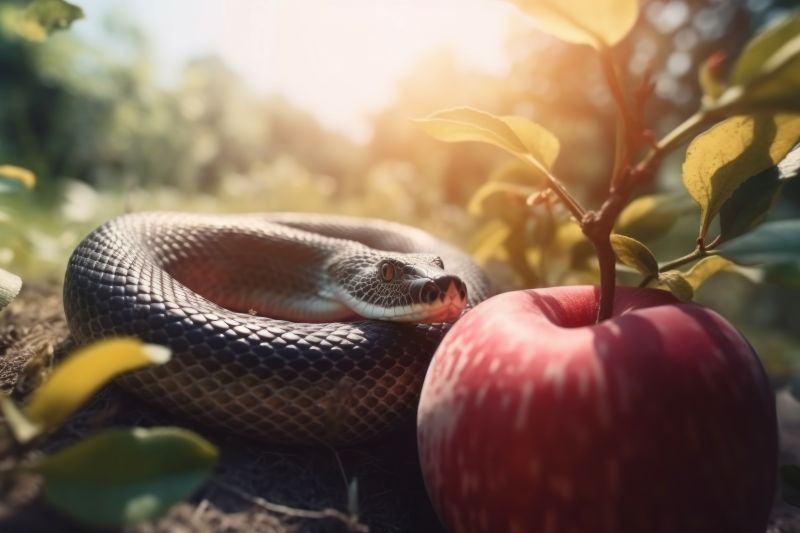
256 487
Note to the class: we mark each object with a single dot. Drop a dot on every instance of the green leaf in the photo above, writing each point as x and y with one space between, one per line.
12 177
771 243
597 23
763 47
749 204
784 273
123 476
516 135
677 284
724 157
634 254
10 285
767 73
650 217
85 372
39 19
704 269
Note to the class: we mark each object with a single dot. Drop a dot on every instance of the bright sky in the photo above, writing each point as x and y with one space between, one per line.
339 59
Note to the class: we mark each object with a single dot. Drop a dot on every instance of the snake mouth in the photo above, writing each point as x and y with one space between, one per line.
440 300
435 300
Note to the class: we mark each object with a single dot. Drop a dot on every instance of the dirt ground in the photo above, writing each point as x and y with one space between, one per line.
256 487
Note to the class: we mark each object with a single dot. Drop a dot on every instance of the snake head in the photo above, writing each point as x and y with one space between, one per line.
397 287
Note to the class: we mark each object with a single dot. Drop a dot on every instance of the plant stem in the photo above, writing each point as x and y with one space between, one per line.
598 225
561 191
698 253
625 119
683 132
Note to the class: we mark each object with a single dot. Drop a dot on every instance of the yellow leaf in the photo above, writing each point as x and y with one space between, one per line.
594 22
488 241
518 136
634 254
651 216
467 124
85 372
677 284
519 173
17 175
21 427
711 79
478 203
704 269
540 143
724 157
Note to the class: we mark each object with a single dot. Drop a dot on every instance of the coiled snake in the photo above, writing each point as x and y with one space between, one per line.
265 316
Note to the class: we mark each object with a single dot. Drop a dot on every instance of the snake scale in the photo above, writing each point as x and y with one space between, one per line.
262 344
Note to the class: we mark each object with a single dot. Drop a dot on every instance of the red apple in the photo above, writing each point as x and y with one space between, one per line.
660 419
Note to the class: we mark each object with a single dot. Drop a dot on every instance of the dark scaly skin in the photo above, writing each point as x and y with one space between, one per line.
290 382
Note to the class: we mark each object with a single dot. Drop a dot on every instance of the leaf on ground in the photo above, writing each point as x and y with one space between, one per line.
634 254
720 160
516 135
597 23
83 373
677 284
124 476
13 177
21 427
10 285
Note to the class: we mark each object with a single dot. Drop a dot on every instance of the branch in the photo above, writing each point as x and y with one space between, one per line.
698 253
561 191
293 512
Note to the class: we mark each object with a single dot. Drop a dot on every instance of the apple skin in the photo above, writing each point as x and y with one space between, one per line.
659 419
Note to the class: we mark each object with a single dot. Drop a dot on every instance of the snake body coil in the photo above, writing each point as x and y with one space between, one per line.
200 285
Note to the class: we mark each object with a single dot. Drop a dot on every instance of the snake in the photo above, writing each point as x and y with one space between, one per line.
284 327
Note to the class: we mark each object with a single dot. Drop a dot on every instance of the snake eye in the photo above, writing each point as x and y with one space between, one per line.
387 271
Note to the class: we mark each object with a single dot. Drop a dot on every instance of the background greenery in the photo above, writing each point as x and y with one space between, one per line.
104 137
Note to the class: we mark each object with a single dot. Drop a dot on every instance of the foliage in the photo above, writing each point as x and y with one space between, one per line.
39 19
718 162
732 170
123 476
116 476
